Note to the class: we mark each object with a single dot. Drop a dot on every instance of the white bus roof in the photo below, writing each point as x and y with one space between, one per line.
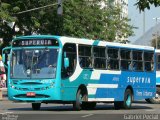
103 43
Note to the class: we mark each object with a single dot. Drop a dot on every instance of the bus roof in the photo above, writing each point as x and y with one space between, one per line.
64 39
104 43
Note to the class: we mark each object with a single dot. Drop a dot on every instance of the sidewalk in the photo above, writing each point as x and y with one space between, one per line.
4 96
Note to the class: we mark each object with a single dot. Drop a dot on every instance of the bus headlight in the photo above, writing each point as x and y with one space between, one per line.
12 86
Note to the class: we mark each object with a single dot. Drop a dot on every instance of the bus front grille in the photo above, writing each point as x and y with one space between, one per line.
36 96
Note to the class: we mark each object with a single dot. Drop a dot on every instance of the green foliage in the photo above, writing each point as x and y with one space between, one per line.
143 4
81 18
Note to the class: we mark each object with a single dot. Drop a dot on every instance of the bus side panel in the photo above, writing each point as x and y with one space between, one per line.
107 88
158 78
111 87
143 83
105 85
71 85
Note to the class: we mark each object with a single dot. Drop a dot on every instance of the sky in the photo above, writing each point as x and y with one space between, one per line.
137 19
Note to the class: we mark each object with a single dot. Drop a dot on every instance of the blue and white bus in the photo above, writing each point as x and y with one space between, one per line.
156 99
59 69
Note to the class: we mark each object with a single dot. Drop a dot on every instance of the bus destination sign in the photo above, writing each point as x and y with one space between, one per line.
35 42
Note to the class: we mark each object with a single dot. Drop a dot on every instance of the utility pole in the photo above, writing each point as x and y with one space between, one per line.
60 7
34 9
144 22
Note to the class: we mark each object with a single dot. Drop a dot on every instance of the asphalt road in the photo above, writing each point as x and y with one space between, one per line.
22 111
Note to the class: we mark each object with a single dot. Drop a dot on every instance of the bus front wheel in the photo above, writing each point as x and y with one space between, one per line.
36 106
80 97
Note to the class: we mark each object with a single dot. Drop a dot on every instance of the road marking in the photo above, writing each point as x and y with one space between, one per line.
150 110
6 113
87 115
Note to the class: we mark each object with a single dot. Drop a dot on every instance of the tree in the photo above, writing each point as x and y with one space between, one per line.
154 41
143 4
81 18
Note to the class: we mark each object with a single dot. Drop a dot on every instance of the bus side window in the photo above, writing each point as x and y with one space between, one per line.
137 60
158 61
85 57
113 58
126 63
69 51
149 61
99 57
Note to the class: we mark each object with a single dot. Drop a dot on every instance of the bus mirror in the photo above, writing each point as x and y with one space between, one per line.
66 63
3 58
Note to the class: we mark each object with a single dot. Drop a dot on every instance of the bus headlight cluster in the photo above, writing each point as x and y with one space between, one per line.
43 88
12 86
48 87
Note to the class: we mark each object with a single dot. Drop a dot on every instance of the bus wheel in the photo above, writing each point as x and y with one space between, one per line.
80 97
148 100
36 106
126 104
156 99
128 97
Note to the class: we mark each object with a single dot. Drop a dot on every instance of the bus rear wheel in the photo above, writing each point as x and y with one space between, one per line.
36 106
128 98
126 104
156 99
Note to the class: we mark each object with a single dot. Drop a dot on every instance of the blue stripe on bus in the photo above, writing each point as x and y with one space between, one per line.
123 80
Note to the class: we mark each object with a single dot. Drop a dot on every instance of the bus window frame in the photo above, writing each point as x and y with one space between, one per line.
95 57
137 61
157 54
115 59
152 61
130 67
82 56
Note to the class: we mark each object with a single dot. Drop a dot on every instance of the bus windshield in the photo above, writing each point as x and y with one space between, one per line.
34 63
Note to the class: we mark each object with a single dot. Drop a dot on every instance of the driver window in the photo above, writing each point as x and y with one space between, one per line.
69 51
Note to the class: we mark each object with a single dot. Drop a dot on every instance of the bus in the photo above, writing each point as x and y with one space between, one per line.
156 99
82 72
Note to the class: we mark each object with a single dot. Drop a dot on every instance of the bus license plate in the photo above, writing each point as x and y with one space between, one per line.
31 94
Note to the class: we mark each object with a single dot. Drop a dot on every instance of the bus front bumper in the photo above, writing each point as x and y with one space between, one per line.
51 94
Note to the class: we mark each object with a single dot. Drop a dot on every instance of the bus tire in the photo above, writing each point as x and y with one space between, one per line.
36 106
126 104
77 105
156 99
148 100
128 98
